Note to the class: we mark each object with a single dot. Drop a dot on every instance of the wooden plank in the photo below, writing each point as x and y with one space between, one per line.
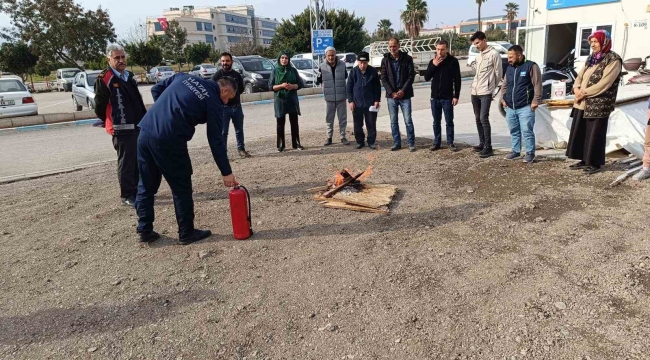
342 205
318 188
347 182
373 196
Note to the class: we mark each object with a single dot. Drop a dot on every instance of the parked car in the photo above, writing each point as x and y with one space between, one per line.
204 71
255 70
348 59
306 70
273 61
500 46
65 77
83 91
15 99
159 74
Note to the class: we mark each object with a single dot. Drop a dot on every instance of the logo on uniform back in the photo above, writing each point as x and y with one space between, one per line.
196 87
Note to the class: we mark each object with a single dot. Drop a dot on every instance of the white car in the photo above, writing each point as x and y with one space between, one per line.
204 71
159 74
65 77
306 70
349 59
500 46
15 99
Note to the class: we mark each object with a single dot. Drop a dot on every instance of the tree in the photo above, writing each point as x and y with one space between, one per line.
197 53
246 47
294 34
479 3
511 13
99 63
174 42
384 30
137 33
144 54
215 55
18 59
59 29
414 17
496 34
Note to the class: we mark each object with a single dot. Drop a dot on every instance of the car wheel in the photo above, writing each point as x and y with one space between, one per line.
75 104
91 104
473 65
248 89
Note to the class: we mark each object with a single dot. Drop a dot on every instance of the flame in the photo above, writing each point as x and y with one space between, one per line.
371 165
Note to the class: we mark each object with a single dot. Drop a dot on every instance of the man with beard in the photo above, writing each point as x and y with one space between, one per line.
233 109
119 105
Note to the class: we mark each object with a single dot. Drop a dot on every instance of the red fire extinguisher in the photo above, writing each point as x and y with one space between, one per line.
240 211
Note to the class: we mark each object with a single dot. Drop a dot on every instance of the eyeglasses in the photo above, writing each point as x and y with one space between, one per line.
123 57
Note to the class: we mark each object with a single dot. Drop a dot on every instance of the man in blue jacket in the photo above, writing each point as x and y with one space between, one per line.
180 103
364 92
522 94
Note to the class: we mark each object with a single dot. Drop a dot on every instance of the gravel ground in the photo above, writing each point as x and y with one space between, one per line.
478 260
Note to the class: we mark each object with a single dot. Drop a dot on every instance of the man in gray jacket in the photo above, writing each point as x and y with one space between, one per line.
332 74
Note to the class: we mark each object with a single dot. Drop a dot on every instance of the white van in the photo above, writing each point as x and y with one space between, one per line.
65 77
500 46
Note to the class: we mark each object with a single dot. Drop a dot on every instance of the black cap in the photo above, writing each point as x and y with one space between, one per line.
363 56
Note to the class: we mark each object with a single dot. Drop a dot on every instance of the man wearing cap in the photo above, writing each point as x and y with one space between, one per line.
364 92
332 74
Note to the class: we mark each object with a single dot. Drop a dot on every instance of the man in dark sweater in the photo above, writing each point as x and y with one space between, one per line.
233 109
364 95
180 103
119 105
444 73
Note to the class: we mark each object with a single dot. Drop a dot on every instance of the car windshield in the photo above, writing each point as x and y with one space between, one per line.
302 64
69 73
257 65
91 78
506 45
207 67
11 86
165 68
350 58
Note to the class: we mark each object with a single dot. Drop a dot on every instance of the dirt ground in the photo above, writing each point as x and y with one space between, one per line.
479 259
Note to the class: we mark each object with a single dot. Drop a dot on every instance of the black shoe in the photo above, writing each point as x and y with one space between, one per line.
486 153
396 147
435 147
359 146
299 147
590 170
196 236
372 146
345 141
243 153
130 201
412 148
149 237
578 165
281 149
478 148
453 148
328 142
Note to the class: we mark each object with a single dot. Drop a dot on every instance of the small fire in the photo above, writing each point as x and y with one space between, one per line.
371 164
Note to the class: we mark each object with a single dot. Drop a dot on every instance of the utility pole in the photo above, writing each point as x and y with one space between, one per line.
317 21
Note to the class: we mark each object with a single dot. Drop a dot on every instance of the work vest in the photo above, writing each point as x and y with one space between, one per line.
334 86
520 91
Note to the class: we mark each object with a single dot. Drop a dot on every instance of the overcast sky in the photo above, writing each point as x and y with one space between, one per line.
124 13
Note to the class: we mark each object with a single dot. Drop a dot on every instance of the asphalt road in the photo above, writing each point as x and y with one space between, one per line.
61 102
62 147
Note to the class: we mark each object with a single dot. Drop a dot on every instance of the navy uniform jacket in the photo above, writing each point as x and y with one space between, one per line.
180 103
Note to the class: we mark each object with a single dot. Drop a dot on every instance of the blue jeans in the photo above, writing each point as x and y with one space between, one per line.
438 106
237 115
393 111
521 121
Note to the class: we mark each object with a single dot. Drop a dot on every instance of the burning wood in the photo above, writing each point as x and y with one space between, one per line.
347 191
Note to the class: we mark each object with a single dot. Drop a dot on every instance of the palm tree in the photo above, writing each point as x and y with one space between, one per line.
416 13
384 29
511 13
479 3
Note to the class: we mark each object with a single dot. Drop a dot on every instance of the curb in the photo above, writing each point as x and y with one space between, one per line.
36 175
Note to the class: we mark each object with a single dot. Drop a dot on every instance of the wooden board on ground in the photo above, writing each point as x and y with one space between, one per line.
336 204
372 196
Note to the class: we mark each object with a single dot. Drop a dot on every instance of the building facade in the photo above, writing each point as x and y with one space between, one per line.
219 26
558 26
469 27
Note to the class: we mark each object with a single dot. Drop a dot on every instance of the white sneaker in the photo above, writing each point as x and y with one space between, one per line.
642 175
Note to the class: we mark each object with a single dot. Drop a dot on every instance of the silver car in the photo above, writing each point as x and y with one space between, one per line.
83 89
159 74
204 71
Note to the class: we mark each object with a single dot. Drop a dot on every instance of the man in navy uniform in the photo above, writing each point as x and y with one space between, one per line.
119 107
180 103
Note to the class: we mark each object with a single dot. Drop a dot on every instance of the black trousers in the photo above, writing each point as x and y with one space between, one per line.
127 163
171 160
358 116
587 139
295 130
481 104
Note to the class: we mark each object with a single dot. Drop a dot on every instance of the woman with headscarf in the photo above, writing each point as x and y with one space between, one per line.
285 82
595 92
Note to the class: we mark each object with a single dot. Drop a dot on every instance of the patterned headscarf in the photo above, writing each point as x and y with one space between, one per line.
605 41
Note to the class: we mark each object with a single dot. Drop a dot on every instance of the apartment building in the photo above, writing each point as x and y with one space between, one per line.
468 27
220 26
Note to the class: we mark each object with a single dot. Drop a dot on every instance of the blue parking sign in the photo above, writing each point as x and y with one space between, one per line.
320 40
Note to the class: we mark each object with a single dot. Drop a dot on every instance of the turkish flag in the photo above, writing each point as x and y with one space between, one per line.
163 23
